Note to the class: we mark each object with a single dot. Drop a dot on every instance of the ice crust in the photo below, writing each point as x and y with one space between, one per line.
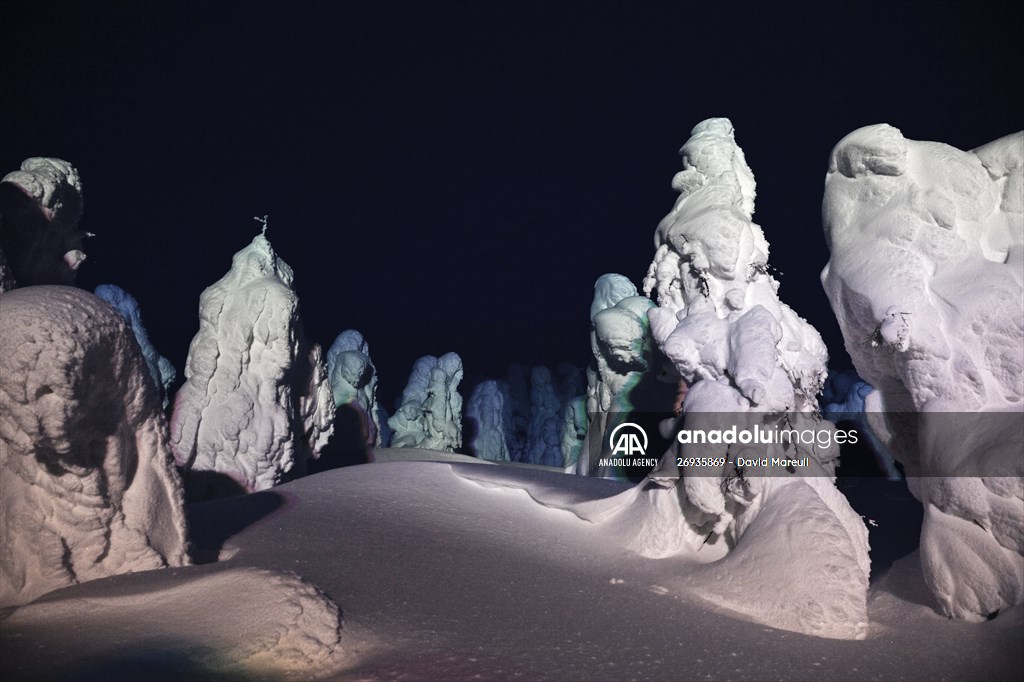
40 205
160 368
256 403
926 278
430 412
87 485
739 350
353 380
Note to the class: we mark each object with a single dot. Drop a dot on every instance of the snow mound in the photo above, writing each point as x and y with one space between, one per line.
242 621
430 413
799 565
256 403
40 206
926 278
88 486
160 368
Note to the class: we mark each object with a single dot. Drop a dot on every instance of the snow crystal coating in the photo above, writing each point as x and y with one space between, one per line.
256 403
926 278
40 206
430 413
87 485
160 368
741 354
353 380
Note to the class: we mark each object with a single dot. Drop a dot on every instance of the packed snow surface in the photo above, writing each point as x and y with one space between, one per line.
87 485
926 278
470 571
256 403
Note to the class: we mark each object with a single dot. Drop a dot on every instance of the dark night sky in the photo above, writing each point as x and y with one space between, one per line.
455 176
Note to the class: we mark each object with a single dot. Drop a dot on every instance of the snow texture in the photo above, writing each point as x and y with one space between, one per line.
87 485
256 403
740 351
926 278
239 623
430 413
160 368
40 206
354 382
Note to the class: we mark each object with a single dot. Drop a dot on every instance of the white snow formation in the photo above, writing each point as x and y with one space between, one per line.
926 278
160 368
745 358
354 381
430 413
620 341
544 436
88 488
489 410
256 402
40 206
623 352
532 417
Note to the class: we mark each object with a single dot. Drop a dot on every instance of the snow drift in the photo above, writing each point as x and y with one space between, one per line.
87 485
926 278
256 403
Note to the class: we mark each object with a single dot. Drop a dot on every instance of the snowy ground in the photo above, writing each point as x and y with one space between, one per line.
439 577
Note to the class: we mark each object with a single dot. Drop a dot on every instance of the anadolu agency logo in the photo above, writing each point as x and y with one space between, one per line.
628 439
628 443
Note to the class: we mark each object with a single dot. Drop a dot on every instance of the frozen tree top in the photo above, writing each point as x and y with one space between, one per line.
40 206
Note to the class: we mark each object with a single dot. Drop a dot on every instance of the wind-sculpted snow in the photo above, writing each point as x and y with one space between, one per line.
256 403
430 413
744 358
926 278
40 206
354 383
87 485
160 368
